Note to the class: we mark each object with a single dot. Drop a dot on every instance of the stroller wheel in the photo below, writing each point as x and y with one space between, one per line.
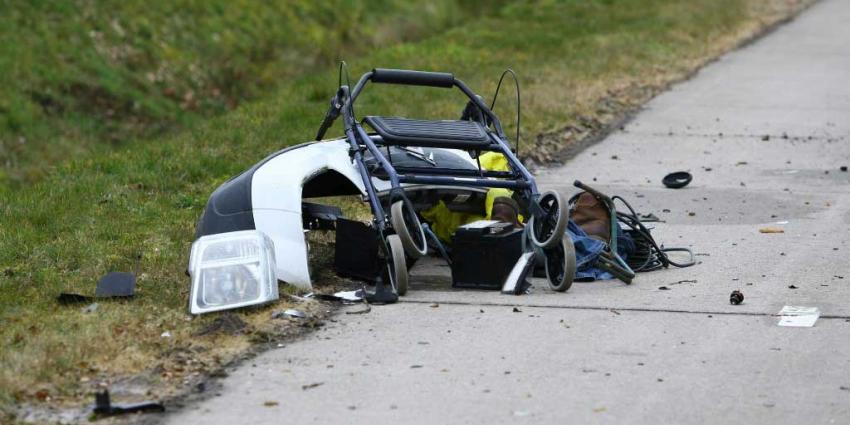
397 265
560 264
409 230
548 231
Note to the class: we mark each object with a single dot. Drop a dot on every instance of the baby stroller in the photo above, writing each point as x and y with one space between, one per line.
396 223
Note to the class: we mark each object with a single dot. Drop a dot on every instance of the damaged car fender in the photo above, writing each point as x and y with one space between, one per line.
268 196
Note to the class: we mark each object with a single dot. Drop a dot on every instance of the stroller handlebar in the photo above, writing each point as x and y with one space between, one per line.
413 78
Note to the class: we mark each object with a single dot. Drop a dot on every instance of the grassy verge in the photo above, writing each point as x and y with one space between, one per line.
81 76
99 213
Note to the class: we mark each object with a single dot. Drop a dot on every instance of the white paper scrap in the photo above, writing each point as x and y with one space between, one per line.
351 295
795 316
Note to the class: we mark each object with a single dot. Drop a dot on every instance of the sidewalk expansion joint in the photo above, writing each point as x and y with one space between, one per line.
601 308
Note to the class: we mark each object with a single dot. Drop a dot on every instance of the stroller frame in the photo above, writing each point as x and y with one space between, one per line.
547 215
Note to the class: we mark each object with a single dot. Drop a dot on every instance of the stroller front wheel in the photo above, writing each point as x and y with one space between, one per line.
548 230
408 228
560 264
397 265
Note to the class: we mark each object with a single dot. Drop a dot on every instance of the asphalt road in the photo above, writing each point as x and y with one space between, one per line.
764 131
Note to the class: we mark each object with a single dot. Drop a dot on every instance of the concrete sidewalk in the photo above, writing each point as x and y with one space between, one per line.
765 131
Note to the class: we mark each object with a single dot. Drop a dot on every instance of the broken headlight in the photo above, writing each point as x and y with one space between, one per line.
231 270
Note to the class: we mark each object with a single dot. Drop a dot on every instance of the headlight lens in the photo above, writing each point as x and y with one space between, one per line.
231 270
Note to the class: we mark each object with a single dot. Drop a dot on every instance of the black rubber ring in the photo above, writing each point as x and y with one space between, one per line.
677 180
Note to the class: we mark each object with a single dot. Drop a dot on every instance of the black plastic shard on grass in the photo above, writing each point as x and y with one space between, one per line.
116 284
113 285
104 407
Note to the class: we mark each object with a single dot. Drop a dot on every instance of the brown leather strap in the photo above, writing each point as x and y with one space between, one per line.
592 216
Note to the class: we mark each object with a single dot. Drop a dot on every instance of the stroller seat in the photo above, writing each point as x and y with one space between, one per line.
452 134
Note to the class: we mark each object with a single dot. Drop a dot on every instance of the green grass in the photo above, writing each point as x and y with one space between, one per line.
98 212
78 76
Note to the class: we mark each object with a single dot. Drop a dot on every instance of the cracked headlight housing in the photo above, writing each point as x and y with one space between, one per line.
231 270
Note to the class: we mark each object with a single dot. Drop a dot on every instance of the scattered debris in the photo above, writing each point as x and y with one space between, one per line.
649 218
771 229
166 334
677 180
311 386
736 298
116 284
351 296
113 285
289 313
798 316
104 407
66 298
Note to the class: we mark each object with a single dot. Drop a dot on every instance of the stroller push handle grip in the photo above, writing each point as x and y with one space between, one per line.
413 78
593 192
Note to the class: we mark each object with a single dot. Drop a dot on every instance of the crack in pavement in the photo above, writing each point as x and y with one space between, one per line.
602 308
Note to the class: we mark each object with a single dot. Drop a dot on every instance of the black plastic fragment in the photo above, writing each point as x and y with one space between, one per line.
67 298
677 180
104 407
383 294
116 284
736 297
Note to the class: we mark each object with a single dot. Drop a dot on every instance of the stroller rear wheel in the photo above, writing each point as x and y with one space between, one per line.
560 264
548 230
408 228
397 264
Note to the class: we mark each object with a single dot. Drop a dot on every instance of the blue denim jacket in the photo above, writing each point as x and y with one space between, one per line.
588 250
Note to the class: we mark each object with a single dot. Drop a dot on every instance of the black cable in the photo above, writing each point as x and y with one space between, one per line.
518 102
344 66
648 256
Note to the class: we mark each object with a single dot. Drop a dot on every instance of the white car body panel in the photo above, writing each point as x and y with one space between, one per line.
276 190
276 200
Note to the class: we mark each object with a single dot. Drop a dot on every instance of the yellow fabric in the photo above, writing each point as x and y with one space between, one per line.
493 161
444 222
